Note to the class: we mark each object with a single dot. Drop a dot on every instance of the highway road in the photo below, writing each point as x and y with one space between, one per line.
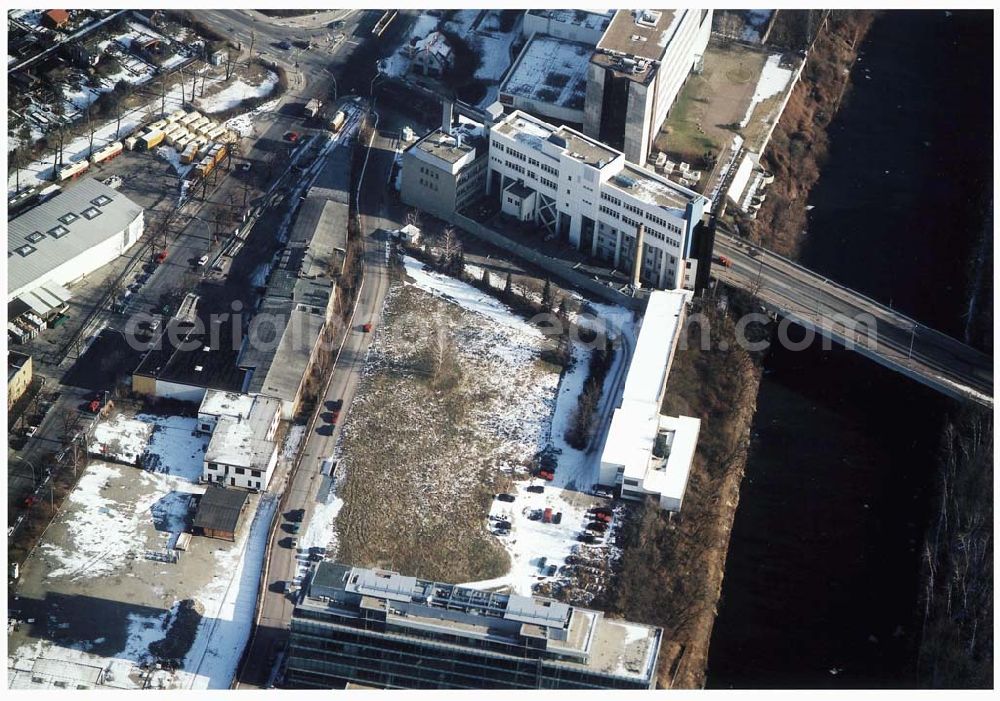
883 334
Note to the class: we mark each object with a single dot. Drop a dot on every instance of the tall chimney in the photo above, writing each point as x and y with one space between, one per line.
446 116
640 233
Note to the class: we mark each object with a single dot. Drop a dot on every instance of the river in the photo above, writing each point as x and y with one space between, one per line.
823 576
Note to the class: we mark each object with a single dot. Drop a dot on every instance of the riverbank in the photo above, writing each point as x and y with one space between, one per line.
800 141
672 568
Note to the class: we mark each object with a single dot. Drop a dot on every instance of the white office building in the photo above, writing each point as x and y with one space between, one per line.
242 451
648 453
585 192
636 71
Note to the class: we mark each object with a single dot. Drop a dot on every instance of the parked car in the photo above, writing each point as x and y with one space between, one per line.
285 44
161 256
547 515
505 497
202 260
598 526
30 431
586 538
294 528
296 515
546 475
367 328
551 570
292 136
536 488
603 517
557 518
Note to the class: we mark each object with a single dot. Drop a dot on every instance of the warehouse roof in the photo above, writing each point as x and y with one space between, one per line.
220 509
62 228
582 18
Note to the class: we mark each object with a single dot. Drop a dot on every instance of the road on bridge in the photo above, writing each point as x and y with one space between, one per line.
896 341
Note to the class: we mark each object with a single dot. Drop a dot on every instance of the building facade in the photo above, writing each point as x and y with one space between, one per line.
242 451
574 25
382 629
636 72
588 194
19 374
445 171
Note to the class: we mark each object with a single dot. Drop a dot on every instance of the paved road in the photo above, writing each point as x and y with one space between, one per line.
309 487
899 342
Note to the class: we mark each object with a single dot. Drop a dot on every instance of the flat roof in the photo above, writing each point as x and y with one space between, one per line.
63 227
447 148
285 343
587 637
588 19
651 188
534 133
219 509
239 442
640 33
550 70
221 403
658 336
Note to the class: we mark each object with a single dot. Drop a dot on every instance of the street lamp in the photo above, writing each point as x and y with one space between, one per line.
913 333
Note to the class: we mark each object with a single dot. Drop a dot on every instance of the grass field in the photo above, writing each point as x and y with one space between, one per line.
451 405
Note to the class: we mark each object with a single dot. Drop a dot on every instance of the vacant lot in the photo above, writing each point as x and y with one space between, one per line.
712 103
453 403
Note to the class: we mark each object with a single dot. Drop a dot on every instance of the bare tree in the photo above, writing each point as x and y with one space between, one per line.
230 65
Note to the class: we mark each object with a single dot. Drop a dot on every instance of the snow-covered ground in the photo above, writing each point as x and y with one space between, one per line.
235 92
170 155
107 535
773 79
530 539
243 124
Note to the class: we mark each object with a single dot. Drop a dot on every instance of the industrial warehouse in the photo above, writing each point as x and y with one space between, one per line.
62 240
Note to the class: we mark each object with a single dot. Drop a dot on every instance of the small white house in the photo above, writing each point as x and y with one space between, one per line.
241 451
409 234
432 55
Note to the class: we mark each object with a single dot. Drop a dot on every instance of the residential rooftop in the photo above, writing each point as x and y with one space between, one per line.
238 442
221 403
550 70
580 637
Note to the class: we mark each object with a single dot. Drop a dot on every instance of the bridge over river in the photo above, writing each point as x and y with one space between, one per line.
856 322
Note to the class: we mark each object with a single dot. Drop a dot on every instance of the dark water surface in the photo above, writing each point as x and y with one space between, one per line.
822 581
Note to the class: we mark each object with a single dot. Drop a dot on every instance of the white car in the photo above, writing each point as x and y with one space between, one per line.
31 431
202 260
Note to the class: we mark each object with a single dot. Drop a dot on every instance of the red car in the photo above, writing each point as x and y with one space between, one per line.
161 256
367 328
292 136
546 475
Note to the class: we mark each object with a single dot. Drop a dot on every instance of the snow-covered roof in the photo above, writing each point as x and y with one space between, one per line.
550 70
434 43
235 442
654 348
220 403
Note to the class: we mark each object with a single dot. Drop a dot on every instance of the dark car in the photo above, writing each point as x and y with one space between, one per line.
586 538
557 518
335 404
551 570
536 488
292 136
505 497
286 45
296 515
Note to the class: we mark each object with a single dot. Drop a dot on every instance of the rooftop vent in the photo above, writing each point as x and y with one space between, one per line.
68 218
101 200
35 236
647 18
57 232
91 213
25 250
557 140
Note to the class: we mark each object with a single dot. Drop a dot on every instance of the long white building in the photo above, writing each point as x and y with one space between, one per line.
648 453
587 193
66 238
241 452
